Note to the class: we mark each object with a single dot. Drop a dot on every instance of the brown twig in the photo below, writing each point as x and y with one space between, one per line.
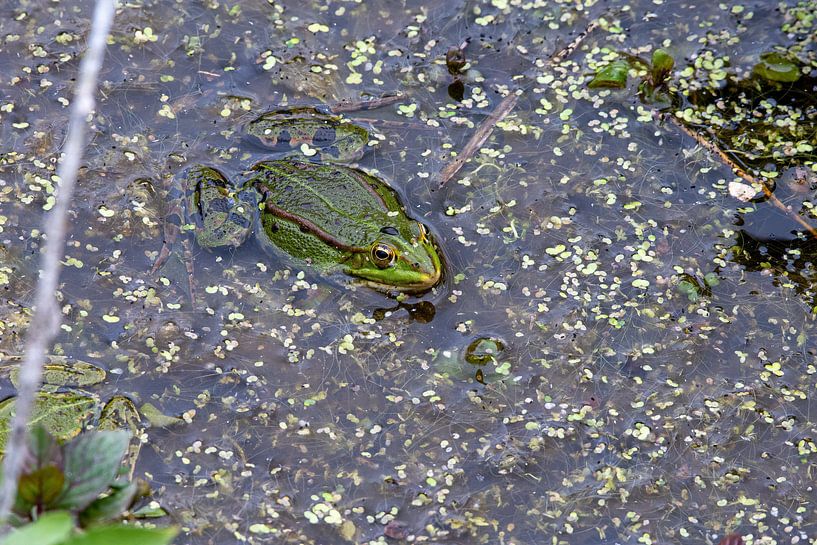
571 47
482 134
741 172
345 106
504 108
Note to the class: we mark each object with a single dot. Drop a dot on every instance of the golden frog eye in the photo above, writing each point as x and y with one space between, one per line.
383 255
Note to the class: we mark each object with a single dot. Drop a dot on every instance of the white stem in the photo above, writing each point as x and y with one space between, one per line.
46 320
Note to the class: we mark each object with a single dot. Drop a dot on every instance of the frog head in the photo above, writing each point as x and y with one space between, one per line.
399 259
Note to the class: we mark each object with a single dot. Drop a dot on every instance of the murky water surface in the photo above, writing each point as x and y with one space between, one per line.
650 374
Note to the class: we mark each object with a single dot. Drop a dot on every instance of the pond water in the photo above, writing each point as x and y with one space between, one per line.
642 342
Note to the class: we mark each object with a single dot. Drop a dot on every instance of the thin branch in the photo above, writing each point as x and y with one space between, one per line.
754 181
504 108
370 104
45 322
481 135
571 47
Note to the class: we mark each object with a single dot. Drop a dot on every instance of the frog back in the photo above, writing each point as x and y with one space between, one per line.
322 212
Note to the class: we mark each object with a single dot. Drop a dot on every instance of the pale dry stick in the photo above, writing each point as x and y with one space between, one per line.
715 150
504 108
46 320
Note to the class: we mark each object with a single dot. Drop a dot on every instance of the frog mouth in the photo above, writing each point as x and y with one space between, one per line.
429 280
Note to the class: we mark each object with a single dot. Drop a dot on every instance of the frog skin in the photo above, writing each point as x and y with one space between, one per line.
335 217
288 132
329 216
202 200
205 203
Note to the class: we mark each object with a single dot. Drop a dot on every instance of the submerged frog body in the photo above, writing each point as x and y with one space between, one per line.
307 130
65 409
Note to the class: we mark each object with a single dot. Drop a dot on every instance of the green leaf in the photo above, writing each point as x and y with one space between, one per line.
662 64
39 488
41 481
110 507
157 418
44 449
49 529
775 67
613 76
148 512
123 535
91 465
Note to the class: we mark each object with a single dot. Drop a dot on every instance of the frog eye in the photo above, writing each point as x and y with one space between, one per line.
383 255
423 232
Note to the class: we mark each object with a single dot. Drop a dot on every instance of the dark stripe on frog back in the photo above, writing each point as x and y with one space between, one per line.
307 225
275 196
236 219
307 195
297 167
279 142
218 205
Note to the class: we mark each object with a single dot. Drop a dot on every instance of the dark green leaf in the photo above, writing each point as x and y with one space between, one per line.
123 535
39 488
614 76
49 529
110 507
44 449
776 67
148 512
662 63
91 465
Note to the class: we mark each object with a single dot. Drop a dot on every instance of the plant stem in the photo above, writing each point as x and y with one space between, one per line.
46 320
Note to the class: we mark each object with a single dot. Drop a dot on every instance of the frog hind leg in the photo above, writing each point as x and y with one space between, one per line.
188 263
171 229
170 233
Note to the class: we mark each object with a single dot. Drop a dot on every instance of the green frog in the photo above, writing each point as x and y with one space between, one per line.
330 216
65 408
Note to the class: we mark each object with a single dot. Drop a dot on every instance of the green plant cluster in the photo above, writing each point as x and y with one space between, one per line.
71 494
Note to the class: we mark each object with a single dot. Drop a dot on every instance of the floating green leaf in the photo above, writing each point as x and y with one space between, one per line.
149 512
776 67
613 76
157 418
49 529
